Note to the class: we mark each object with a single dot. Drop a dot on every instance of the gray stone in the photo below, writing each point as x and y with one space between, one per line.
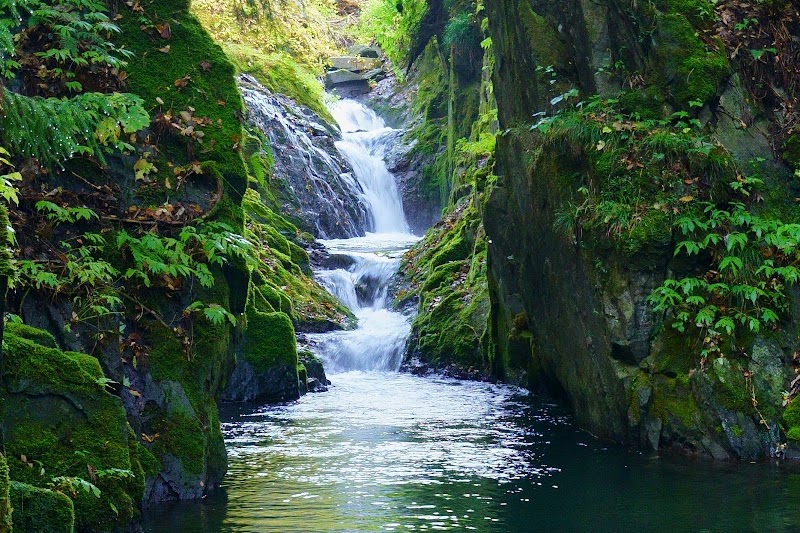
653 430
355 63
342 76
278 384
375 74
363 50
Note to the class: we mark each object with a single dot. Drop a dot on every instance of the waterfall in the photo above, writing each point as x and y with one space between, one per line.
379 341
365 139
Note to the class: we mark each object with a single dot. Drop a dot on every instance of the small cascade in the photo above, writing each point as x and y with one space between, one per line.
365 141
379 341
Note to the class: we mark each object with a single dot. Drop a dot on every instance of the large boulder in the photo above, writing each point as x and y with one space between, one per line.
354 63
363 50
266 361
346 83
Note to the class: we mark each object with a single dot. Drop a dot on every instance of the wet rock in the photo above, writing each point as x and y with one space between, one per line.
316 380
316 185
277 384
375 74
346 84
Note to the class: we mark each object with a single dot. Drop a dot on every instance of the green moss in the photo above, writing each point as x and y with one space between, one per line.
791 420
5 502
729 383
281 73
699 12
40 337
791 151
673 401
648 102
41 510
545 44
183 437
282 278
270 341
211 89
447 270
691 70
57 414
151 466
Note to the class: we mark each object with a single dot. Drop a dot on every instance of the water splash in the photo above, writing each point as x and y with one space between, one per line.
379 341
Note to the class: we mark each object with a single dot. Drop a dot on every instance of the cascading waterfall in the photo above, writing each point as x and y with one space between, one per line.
365 138
378 342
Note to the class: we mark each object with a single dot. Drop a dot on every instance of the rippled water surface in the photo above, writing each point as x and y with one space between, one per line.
394 452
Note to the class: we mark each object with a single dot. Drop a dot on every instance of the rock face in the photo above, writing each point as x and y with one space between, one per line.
318 189
593 339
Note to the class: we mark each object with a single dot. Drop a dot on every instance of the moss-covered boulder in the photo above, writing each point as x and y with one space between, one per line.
446 274
63 428
266 363
41 510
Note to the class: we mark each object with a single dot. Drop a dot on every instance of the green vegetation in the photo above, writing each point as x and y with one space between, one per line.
38 509
392 24
270 341
447 272
634 175
5 502
76 444
283 45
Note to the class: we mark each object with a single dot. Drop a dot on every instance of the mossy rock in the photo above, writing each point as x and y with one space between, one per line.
41 510
270 341
5 502
210 86
692 71
40 337
56 412
791 420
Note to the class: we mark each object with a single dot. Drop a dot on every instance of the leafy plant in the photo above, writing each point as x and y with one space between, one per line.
753 260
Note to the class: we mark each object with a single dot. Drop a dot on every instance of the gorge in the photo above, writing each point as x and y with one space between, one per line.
537 262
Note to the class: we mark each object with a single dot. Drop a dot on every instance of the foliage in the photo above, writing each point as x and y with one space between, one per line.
188 255
54 129
753 262
391 28
633 176
284 45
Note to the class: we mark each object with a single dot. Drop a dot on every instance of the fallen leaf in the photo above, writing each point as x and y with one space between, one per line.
686 199
150 438
164 50
164 30
205 65
180 83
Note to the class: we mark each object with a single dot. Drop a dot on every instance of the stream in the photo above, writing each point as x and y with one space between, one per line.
387 451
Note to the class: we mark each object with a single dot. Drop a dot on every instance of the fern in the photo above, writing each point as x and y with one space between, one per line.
53 130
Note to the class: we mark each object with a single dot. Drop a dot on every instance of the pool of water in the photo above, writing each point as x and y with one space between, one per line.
395 452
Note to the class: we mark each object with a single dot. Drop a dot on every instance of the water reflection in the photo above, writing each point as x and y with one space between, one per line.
399 453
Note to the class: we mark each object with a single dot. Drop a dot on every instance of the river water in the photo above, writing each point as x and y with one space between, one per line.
386 451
